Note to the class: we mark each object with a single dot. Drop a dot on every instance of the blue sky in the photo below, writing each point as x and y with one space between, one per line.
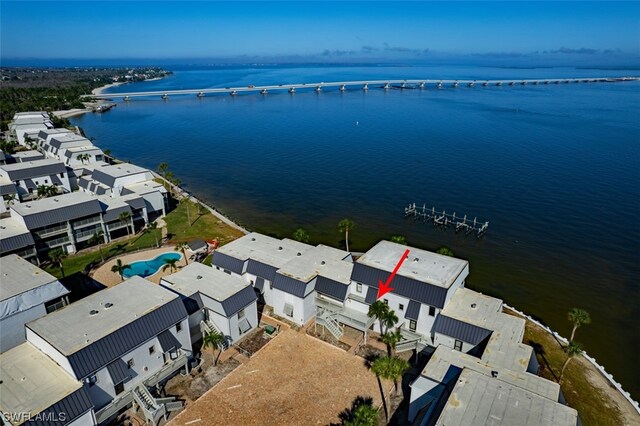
543 32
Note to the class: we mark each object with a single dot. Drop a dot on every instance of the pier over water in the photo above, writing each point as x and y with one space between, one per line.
342 86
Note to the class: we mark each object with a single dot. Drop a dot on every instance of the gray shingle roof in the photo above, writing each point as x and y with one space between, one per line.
115 345
331 288
32 169
73 406
403 286
241 299
119 371
460 330
260 269
168 341
48 211
289 285
413 310
227 262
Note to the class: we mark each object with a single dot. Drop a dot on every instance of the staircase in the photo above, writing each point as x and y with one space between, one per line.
410 341
207 327
329 320
153 408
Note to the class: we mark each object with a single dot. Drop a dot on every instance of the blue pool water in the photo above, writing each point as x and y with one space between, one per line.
144 268
554 168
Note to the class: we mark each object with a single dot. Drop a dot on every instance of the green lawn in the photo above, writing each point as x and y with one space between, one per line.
184 228
79 262
594 405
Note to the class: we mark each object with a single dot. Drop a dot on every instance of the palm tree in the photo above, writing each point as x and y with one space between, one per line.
399 239
51 191
578 317
301 235
389 320
151 228
56 256
361 413
163 168
445 251
183 247
98 238
42 191
125 217
10 199
119 268
345 226
391 339
573 349
170 264
390 368
379 310
215 341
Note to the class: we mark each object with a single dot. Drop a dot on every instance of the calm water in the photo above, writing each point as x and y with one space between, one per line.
554 168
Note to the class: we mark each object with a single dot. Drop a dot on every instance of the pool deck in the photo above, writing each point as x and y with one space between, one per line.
104 275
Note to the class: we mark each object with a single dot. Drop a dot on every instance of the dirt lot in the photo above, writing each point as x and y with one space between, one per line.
295 379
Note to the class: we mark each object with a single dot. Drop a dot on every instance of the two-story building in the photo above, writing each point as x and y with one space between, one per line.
118 343
16 238
26 293
215 301
28 176
28 122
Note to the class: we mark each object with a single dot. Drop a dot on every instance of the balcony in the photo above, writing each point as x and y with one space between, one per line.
51 230
86 222
347 316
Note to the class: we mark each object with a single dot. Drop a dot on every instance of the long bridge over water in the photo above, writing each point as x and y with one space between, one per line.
404 84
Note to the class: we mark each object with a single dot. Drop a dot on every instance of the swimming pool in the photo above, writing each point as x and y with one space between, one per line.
144 268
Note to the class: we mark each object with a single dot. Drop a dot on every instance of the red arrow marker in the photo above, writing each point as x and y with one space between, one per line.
384 288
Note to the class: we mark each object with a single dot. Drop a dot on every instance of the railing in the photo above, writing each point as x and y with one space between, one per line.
43 233
167 369
116 225
52 243
87 233
330 324
207 327
113 407
84 222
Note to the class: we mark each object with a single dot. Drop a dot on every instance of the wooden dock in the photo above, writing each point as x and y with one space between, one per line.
444 220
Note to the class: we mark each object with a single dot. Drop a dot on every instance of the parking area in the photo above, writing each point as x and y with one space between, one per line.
294 379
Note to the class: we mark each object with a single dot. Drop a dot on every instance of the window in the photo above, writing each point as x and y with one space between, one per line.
46 181
152 350
178 327
412 325
92 380
270 286
227 272
241 314
386 301
400 307
61 174
432 311
130 363
458 345
119 388
359 287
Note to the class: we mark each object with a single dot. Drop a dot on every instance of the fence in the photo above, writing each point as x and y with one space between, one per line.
592 360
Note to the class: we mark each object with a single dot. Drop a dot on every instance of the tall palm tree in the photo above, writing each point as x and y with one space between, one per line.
152 228
125 217
170 264
119 268
389 320
344 226
56 257
573 349
578 317
183 247
379 310
301 235
389 368
98 238
399 239
215 341
391 339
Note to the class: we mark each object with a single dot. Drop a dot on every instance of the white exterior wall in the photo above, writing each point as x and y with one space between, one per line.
425 322
194 325
50 351
43 180
74 162
12 329
458 283
131 179
449 342
309 306
420 395
154 201
280 298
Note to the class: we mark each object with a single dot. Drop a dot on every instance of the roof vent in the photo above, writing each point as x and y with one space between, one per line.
93 312
473 306
280 248
199 277
253 239
56 200
415 259
108 305
299 254
323 262
494 373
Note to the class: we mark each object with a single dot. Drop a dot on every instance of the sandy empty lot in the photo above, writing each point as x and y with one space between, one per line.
293 380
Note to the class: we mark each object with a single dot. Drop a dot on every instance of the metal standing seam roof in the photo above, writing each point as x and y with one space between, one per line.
290 285
460 330
263 270
114 214
119 371
60 213
16 242
197 244
413 310
73 406
30 184
331 288
238 301
102 177
26 170
227 262
7 188
403 286
100 353
168 341
193 303
372 295
135 203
